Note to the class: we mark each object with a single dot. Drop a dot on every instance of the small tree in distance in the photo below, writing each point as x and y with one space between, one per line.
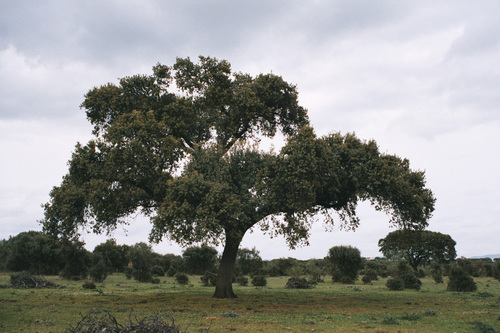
345 263
418 247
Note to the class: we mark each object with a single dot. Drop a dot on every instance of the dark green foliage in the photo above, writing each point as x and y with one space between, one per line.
395 283
242 281
199 259
141 257
209 279
418 247
404 268
24 280
181 278
97 321
248 261
316 269
371 274
437 272
496 270
89 285
33 252
280 267
115 256
366 279
430 313
76 260
172 262
128 272
345 263
259 281
171 271
157 270
98 271
298 283
467 266
460 280
411 281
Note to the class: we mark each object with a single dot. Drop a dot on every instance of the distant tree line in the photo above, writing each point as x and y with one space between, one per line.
38 253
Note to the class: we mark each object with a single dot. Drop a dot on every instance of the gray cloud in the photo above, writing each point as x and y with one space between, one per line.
419 77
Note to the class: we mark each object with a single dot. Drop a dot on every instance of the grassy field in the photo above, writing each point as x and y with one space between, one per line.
327 308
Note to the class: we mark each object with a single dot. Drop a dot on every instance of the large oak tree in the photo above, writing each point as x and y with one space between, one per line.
180 146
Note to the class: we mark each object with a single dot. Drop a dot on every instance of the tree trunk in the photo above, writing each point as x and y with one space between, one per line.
224 284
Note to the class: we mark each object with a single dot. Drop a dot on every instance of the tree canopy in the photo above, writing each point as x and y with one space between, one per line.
180 146
418 246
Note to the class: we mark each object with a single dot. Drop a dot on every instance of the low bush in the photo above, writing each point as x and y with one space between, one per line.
298 283
411 281
209 279
411 316
171 271
158 270
98 272
242 281
181 278
371 274
128 272
484 327
460 280
366 279
89 285
259 281
395 284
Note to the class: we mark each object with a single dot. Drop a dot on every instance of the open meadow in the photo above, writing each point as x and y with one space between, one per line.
326 308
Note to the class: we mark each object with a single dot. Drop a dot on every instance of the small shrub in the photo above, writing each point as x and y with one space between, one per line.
483 327
430 313
366 279
171 271
181 278
98 272
411 281
411 316
371 273
155 280
345 280
437 272
158 270
461 281
395 284
128 272
298 283
259 281
242 281
230 314
209 279
89 285
142 275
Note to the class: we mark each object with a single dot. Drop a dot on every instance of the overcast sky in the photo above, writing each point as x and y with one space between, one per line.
422 78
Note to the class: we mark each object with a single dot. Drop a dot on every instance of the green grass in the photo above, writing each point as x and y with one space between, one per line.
327 308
